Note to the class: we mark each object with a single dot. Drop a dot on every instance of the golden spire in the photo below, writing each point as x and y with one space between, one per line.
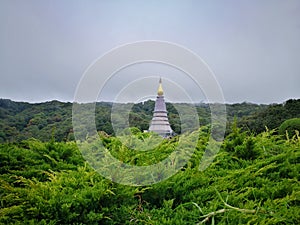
160 91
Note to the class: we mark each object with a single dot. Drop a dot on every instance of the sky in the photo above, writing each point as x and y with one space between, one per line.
252 47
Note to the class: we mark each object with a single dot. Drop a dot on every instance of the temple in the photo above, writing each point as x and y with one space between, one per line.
160 122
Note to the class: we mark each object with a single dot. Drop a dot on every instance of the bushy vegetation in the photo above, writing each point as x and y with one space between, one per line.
290 127
254 179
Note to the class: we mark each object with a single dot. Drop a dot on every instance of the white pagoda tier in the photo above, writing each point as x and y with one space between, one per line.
160 122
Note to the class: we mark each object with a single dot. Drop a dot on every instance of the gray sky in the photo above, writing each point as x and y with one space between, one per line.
253 47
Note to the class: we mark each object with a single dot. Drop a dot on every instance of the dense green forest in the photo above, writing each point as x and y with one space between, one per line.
20 121
253 179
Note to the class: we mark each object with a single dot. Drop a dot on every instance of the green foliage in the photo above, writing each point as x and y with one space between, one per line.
254 179
272 116
20 121
290 127
241 145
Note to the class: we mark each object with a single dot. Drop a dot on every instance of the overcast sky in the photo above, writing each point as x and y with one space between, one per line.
253 47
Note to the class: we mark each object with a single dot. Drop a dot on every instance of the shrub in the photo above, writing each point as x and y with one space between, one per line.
290 126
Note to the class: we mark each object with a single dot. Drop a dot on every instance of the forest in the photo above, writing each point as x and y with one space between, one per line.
45 177
20 120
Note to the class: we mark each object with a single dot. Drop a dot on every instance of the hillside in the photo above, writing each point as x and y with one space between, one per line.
20 121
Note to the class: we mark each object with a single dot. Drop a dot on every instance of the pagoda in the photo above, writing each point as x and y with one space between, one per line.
160 122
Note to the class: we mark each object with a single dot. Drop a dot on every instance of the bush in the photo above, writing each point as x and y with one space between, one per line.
254 179
290 126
